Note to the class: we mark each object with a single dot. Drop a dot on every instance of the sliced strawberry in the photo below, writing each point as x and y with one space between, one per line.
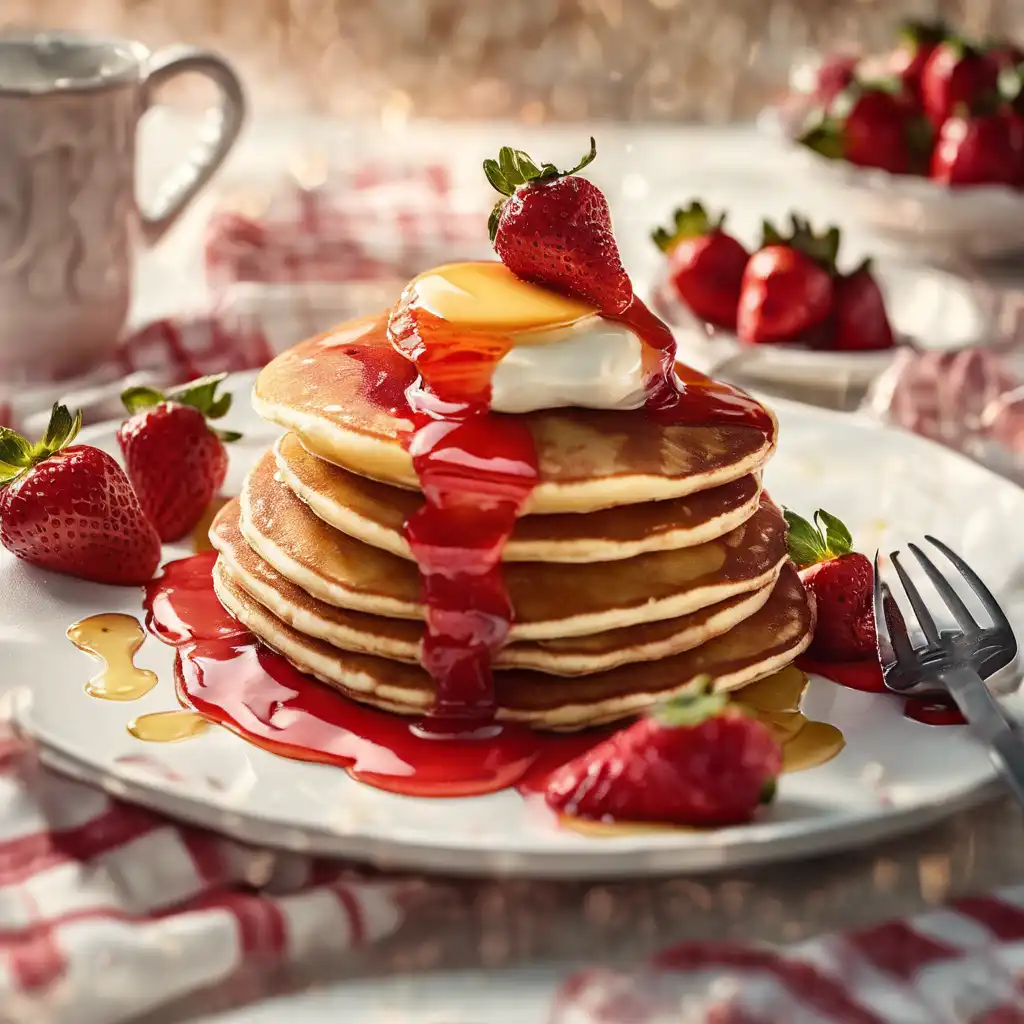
176 461
705 264
872 124
554 228
955 74
696 760
71 509
986 148
840 580
859 320
786 289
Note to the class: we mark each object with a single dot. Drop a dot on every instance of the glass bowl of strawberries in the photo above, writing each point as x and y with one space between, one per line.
924 144
787 310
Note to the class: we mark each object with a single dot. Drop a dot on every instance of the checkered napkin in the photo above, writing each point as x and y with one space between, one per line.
963 964
108 911
971 400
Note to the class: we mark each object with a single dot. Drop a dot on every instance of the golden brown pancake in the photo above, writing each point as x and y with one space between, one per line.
343 393
400 639
375 513
550 601
767 641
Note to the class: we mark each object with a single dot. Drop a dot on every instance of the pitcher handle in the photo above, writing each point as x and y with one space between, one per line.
220 129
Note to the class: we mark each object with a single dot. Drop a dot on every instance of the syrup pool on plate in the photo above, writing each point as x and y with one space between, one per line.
229 677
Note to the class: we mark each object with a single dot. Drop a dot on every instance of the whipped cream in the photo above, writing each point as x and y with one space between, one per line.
592 364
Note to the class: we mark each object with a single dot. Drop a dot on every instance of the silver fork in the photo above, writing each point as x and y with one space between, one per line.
952 663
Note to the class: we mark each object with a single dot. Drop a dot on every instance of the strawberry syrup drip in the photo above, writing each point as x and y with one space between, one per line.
680 395
226 674
477 471
866 675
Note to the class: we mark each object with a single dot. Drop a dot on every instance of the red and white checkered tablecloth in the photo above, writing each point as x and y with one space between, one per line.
108 911
961 964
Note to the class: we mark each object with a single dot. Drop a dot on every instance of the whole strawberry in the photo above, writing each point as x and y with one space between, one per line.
786 290
986 148
873 124
840 579
176 461
71 509
696 760
554 229
705 265
955 74
918 40
859 320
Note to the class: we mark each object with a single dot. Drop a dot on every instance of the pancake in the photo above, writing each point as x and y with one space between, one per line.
343 393
375 513
764 643
550 601
400 639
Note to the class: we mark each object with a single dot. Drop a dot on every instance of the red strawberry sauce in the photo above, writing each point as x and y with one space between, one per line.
477 471
225 673
866 675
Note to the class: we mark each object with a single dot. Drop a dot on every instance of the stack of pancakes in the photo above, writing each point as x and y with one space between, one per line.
647 555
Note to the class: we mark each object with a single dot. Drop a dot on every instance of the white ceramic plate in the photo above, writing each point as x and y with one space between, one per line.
894 775
929 307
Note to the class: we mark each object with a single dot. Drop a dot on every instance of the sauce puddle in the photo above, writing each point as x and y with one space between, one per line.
866 675
224 673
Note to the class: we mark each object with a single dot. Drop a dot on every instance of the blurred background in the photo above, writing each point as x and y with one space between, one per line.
533 60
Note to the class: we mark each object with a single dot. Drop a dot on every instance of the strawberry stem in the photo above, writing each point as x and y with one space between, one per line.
18 455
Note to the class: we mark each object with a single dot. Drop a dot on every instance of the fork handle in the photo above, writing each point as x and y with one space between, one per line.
987 720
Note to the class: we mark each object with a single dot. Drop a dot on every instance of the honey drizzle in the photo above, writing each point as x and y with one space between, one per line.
168 726
114 639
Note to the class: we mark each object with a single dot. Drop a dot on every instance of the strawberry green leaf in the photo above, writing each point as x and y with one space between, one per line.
824 136
838 540
768 791
694 705
688 222
17 455
806 543
914 34
198 393
15 451
227 436
136 399
220 406
497 180
62 429
514 168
